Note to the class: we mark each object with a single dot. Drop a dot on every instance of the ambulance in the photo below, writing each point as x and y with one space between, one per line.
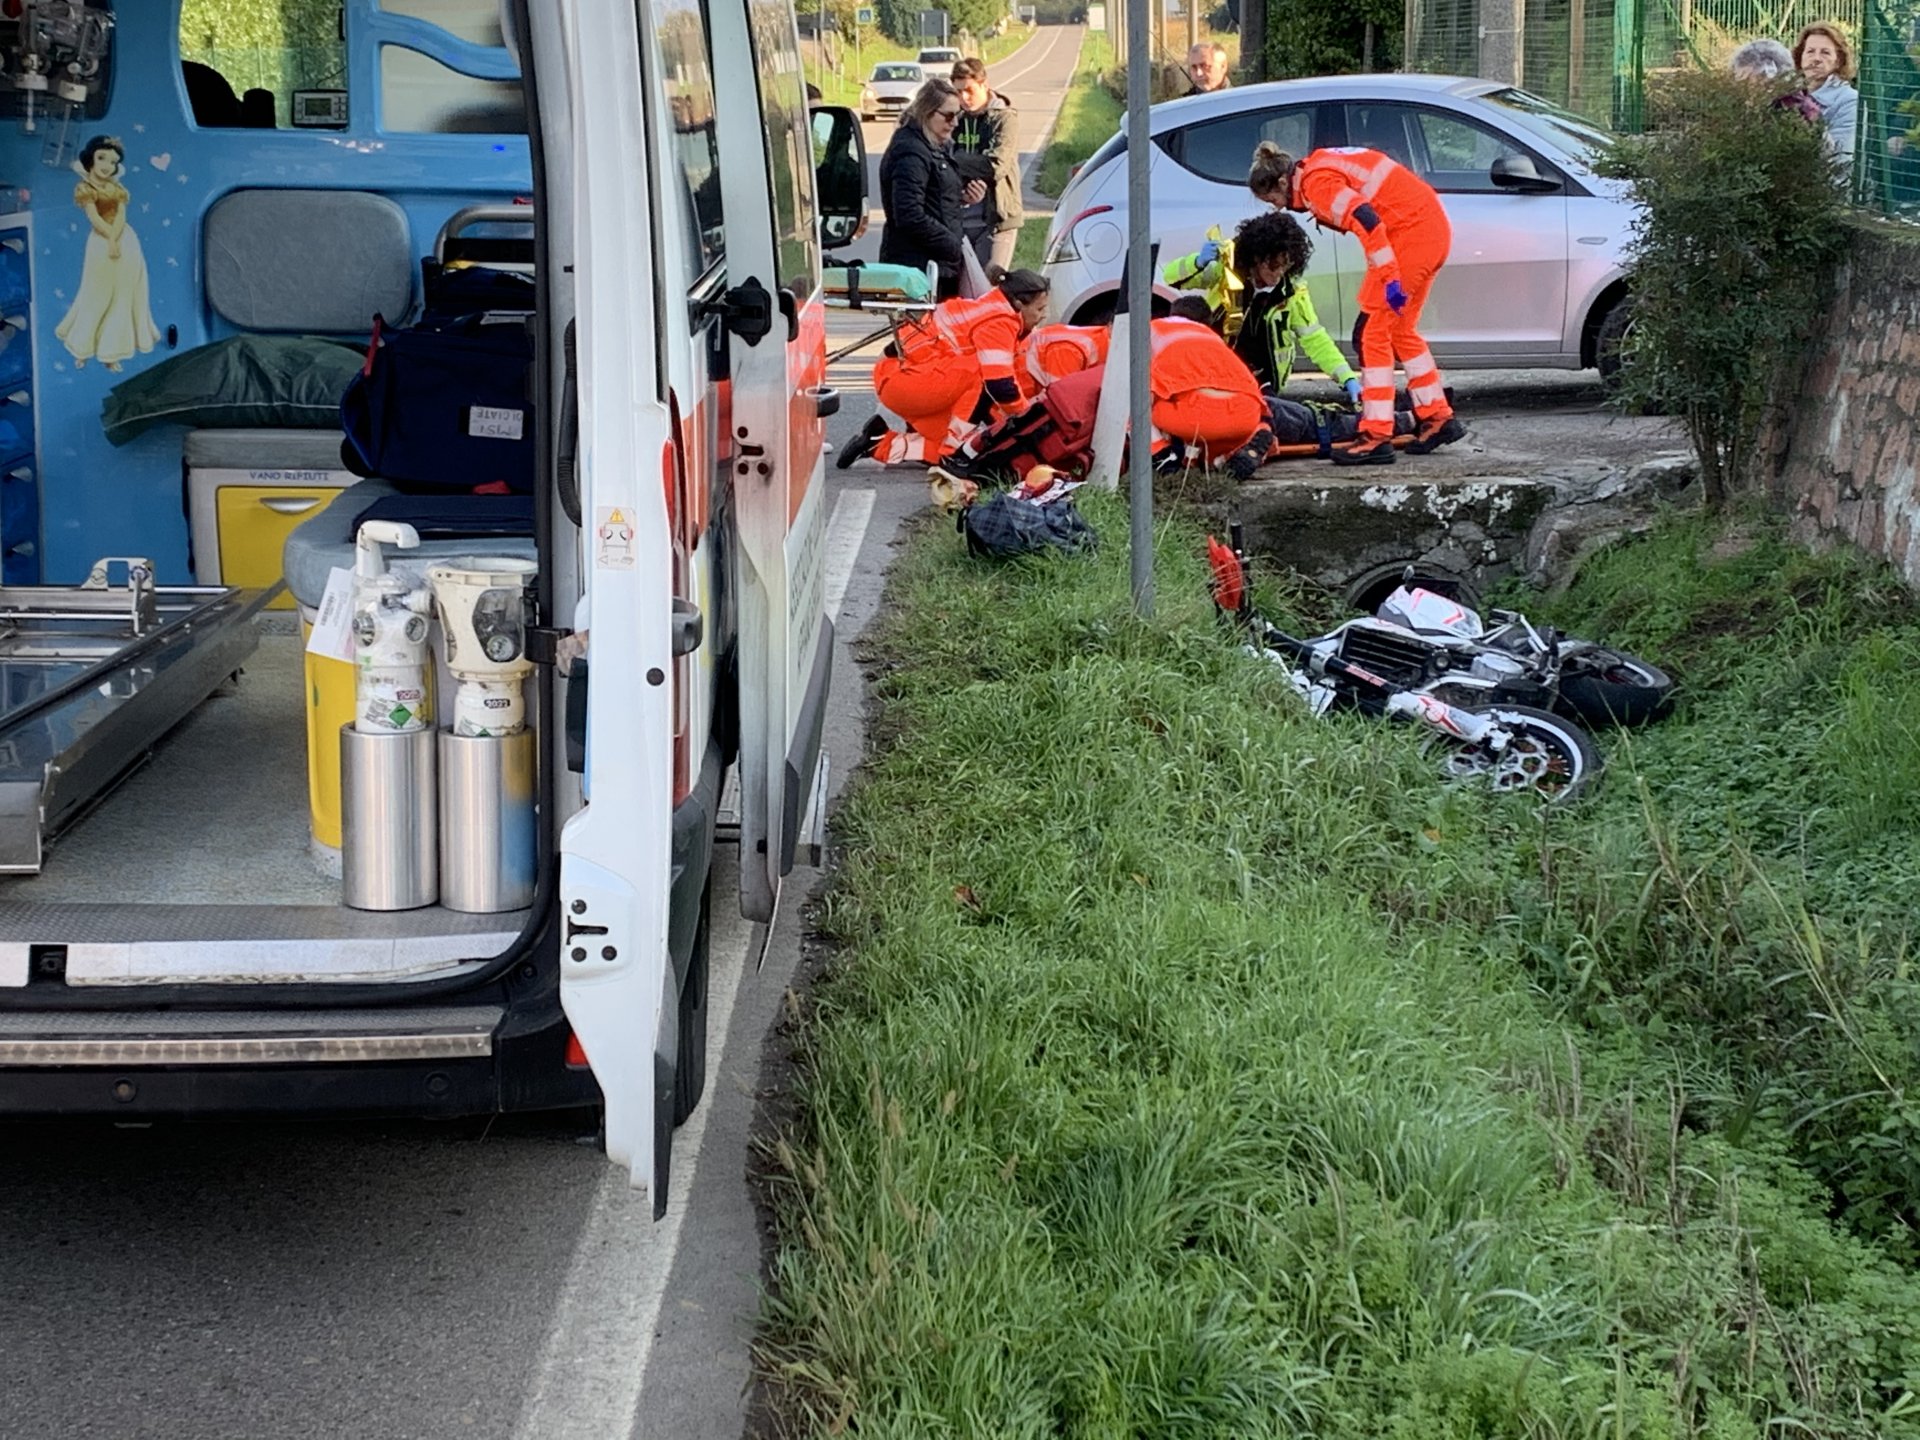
500 322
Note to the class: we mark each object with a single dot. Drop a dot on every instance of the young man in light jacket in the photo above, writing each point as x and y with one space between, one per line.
986 148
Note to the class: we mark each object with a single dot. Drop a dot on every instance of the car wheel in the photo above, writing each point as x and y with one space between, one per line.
1610 340
1097 311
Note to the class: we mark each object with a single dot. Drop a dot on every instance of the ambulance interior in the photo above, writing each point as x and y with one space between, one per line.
237 192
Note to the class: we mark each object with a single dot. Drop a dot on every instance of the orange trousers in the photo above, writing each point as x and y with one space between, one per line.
936 400
1385 337
1215 422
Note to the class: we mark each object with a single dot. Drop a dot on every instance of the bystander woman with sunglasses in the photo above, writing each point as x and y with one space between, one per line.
923 195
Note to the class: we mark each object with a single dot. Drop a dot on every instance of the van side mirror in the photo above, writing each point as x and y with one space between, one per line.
840 174
1518 172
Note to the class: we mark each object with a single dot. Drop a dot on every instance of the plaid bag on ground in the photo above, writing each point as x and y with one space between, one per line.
1006 527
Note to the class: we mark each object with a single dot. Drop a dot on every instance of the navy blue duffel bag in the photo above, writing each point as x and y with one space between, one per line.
444 406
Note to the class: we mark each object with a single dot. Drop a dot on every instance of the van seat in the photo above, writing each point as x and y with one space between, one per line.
324 541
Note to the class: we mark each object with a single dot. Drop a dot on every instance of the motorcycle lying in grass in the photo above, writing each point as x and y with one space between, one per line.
1512 747
1429 642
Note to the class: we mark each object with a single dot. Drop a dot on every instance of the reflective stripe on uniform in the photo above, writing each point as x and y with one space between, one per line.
1377 379
1419 366
1377 410
1382 257
1001 358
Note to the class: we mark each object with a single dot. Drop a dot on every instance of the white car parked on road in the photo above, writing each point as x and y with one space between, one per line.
1537 275
890 89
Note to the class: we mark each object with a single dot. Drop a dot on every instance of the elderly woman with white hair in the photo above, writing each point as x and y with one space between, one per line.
1765 62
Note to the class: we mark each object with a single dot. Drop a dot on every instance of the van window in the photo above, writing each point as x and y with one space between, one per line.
242 63
680 28
419 95
783 109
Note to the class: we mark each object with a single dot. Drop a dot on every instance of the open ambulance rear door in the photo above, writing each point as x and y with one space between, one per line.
776 326
618 986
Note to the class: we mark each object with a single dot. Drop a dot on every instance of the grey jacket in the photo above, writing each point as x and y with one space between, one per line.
1840 103
986 146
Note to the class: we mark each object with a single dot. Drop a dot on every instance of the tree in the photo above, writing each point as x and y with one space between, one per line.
1333 37
1732 258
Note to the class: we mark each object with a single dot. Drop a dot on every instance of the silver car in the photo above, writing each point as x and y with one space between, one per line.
1537 275
890 89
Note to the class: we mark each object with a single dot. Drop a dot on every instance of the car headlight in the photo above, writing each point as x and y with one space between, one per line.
867 96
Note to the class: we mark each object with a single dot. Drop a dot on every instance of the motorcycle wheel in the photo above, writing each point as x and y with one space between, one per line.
1549 755
1608 687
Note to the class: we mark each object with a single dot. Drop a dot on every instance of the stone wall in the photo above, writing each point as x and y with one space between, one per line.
1840 456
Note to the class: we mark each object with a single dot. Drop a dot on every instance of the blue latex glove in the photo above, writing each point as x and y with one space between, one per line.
1353 392
1207 254
1396 297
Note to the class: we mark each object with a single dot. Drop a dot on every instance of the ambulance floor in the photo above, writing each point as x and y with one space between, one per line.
217 815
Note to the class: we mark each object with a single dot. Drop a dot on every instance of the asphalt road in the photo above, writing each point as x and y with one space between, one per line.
409 1280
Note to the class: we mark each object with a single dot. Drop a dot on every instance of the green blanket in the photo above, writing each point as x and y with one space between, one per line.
287 382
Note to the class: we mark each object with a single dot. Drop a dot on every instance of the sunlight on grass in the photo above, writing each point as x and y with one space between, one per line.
1190 1067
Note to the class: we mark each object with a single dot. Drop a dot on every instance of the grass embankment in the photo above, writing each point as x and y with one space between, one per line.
843 87
1089 116
1190 1067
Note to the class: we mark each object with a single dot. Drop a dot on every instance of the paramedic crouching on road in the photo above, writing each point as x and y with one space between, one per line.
955 368
1400 226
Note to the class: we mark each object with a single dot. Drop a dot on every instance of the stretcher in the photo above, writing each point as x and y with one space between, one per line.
893 291
92 676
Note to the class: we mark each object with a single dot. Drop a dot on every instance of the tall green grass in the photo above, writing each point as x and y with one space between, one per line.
1190 1067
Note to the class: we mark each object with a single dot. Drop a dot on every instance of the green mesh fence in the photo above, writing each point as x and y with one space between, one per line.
1601 58
1887 159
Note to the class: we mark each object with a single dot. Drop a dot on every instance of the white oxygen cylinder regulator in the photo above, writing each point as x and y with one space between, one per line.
390 621
485 605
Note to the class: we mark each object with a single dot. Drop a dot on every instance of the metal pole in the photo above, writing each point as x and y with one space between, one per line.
1140 303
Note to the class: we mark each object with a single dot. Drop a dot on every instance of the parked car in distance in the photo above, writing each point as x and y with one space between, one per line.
1537 276
890 89
938 61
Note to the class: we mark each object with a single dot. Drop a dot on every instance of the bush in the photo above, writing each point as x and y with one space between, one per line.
1731 259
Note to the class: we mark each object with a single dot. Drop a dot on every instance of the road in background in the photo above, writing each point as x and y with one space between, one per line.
1034 78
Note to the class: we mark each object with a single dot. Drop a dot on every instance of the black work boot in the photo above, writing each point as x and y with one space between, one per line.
1367 450
861 445
1250 456
1434 433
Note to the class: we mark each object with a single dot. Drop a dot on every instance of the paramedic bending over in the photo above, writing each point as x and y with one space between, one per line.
954 369
1399 223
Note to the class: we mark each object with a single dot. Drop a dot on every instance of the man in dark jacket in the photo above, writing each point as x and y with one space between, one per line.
986 148
922 193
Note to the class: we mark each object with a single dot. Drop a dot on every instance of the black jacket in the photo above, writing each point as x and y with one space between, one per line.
920 191
986 148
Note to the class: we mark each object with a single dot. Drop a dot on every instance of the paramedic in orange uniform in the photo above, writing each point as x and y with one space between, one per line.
935 383
1204 396
1397 219
1052 351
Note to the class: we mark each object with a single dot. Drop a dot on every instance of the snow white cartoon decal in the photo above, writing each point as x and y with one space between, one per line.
109 319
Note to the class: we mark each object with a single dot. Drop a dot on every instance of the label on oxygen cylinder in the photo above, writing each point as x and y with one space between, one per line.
391 700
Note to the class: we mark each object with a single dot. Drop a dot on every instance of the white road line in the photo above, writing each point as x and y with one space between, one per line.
996 79
1045 138
846 529
587 1383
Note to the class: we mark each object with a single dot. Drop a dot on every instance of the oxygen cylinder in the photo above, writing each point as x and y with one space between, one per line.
390 621
484 603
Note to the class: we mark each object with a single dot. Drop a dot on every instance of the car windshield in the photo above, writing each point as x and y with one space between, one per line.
1573 134
932 57
897 72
